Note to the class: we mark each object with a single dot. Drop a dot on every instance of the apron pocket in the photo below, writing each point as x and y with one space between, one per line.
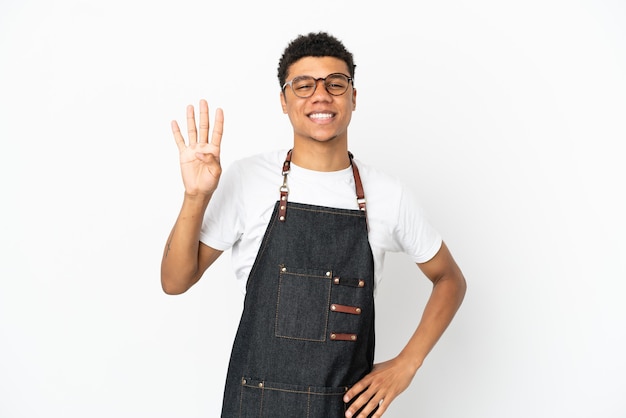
302 304
260 399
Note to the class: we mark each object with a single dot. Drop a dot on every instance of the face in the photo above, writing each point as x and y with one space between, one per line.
321 117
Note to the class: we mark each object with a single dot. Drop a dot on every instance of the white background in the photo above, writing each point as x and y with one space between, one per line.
508 119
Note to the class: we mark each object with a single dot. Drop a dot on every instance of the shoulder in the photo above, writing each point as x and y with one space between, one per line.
390 200
397 218
380 183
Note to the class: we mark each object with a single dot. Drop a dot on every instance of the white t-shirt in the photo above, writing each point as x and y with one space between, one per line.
242 205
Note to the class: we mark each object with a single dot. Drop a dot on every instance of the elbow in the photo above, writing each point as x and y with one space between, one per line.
171 290
172 285
461 287
454 285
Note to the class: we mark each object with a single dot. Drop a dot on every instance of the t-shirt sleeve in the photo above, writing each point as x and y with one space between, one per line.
415 235
222 224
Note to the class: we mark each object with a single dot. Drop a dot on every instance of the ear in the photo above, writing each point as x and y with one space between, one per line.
353 99
283 102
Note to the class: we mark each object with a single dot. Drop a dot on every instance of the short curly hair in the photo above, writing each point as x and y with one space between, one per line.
320 44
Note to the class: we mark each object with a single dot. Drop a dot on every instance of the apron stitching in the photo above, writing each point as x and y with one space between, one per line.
262 396
241 399
326 312
358 215
308 402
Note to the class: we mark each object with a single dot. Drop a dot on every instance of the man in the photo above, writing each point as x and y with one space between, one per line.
308 228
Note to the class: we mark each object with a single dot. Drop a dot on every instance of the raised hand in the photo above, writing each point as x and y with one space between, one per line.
200 159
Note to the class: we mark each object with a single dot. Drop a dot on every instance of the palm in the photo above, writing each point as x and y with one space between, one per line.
200 176
200 160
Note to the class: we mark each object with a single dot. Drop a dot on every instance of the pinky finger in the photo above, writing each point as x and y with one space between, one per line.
382 407
178 136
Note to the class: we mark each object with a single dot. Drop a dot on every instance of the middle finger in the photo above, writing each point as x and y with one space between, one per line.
204 122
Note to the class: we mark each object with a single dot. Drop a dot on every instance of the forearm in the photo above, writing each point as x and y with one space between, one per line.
179 265
446 298
390 378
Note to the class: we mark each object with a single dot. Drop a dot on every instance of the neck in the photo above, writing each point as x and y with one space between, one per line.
321 156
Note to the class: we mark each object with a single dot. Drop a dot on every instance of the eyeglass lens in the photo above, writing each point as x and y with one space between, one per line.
304 86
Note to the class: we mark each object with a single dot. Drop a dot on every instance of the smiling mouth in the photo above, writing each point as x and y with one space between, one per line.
321 116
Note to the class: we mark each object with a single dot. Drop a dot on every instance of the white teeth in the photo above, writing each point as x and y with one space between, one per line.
321 115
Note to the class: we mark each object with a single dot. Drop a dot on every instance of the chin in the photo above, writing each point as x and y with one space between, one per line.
323 138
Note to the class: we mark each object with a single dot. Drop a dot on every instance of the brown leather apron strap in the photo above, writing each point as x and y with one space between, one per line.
284 190
360 194
353 310
339 336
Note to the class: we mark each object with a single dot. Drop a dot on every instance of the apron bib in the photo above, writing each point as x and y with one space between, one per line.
306 333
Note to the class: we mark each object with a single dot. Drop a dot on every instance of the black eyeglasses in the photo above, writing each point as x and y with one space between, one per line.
304 86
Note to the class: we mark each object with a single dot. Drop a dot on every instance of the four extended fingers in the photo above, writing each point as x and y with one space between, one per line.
216 136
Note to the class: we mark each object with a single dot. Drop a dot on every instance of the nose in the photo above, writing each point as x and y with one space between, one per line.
321 90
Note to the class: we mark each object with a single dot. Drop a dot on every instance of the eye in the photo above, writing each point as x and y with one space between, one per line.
337 82
336 86
303 83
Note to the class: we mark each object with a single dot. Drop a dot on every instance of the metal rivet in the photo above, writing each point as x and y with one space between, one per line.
261 384
244 381
283 198
282 208
333 336
361 283
328 273
283 269
358 310
353 337
333 308
336 280
282 218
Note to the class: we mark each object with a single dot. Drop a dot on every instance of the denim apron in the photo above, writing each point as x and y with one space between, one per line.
307 329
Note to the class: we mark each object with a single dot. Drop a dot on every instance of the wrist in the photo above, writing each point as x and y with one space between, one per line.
412 361
196 200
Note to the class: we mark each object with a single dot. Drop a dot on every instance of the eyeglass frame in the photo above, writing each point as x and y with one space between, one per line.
290 83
